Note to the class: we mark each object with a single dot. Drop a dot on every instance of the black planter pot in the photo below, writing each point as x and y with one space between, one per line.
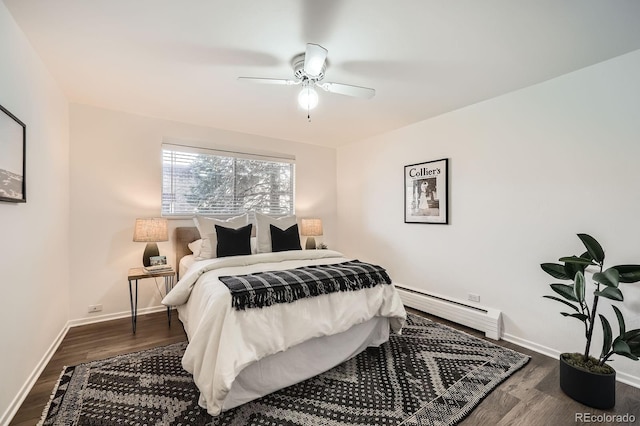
591 389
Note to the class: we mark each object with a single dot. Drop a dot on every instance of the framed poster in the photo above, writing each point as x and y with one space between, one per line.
12 158
426 192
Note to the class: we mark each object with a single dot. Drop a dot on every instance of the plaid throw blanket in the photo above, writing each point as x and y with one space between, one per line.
268 288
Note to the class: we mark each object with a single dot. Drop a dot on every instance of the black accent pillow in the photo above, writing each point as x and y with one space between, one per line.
287 239
233 242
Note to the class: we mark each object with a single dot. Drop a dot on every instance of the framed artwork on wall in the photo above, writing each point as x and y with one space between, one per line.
426 192
12 158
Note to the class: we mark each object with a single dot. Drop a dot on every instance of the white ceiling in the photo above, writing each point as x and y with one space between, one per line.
179 59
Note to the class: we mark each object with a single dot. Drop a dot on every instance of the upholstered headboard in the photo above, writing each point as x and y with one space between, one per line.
184 236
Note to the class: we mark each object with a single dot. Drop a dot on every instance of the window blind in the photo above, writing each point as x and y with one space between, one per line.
216 182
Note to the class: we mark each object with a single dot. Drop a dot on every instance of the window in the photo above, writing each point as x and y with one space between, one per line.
213 182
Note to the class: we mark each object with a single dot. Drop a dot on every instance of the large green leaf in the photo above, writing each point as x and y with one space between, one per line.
632 337
634 347
565 291
610 277
581 317
555 270
628 273
610 293
620 347
571 269
593 247
620 320
578 287
633 343
576 259
630 355
586 255
607 339
562 301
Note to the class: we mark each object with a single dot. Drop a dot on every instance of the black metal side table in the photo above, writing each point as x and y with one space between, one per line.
136 274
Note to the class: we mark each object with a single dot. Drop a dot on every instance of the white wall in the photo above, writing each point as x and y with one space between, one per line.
528 171
116 176
34 247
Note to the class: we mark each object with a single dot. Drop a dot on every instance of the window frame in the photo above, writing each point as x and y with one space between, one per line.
228 153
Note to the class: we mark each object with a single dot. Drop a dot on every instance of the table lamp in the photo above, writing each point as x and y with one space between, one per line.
150 231
311 228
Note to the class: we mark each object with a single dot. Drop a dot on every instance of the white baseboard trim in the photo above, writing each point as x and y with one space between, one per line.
33 377
531 345
117 315
625 378
628 379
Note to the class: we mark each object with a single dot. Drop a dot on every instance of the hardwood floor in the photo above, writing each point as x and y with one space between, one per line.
529 397
97 341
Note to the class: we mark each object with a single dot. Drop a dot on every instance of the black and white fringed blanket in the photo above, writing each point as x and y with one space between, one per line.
269 288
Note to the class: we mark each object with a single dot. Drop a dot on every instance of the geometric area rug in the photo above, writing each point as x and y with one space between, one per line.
429 375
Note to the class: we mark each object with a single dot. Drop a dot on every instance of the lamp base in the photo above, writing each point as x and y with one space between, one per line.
311 243
150 250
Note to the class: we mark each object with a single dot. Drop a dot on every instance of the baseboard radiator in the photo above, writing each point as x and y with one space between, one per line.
479 318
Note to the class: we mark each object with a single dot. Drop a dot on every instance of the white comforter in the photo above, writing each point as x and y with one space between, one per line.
223 341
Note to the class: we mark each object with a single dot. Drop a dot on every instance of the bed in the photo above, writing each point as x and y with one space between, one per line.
238 355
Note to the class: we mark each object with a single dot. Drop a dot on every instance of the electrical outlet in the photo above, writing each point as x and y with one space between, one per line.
474 297
94 308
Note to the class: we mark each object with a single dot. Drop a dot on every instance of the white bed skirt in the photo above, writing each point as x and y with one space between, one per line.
305 360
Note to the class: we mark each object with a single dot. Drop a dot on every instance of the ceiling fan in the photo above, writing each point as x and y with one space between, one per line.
308 70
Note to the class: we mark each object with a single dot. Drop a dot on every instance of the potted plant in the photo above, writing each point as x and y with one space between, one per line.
584 378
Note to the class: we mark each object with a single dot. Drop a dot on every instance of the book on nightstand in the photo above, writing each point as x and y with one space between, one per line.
156 268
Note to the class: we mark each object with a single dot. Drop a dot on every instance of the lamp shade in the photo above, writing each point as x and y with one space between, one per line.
311 227
151 230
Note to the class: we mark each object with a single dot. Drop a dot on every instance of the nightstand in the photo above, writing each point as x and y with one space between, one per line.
136 274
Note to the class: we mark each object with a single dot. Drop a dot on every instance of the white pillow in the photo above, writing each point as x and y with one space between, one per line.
207 228
263 232
195 247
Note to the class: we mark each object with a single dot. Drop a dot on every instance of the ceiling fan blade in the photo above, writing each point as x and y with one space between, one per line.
314 59
348 90
278 81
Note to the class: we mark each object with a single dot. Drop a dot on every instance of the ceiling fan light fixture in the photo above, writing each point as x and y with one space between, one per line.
308 71
308 98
